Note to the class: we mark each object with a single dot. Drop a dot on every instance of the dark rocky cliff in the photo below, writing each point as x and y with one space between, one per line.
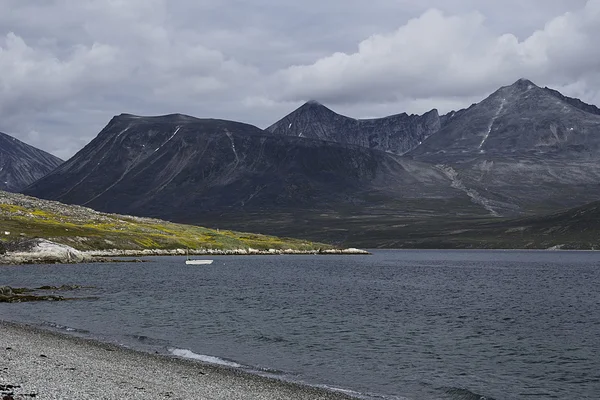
22 164
518 119
532 146
394 134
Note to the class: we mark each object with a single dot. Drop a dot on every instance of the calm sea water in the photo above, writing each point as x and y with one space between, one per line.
396 325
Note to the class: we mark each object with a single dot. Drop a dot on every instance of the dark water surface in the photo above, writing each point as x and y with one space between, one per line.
399 324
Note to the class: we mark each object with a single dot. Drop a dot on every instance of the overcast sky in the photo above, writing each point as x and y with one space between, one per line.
68 66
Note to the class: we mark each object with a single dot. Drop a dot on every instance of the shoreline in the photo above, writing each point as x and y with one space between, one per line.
219 252
54 365
46 252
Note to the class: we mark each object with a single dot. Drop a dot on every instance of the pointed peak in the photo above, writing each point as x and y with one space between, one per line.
313 103
519 88
524 83
314 106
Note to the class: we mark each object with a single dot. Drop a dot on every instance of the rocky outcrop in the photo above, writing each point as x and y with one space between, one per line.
396 134
22 295
22 164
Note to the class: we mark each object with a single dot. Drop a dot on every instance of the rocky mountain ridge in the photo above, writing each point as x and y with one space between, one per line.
395 134
531 147
521 119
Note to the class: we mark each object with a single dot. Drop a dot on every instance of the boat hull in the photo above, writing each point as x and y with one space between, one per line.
198 262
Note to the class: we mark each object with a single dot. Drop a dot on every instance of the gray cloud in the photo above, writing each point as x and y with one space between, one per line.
67 66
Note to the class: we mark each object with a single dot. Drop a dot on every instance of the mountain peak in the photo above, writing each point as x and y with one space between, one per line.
313 106
313 103
523 83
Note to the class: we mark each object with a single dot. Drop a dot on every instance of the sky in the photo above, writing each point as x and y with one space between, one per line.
68 66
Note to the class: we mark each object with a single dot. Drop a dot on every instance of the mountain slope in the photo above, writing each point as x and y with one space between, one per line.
521 119
532 147
22 164
575 228
186 169
394 134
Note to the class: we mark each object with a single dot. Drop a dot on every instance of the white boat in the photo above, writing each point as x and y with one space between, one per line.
195 262
198 262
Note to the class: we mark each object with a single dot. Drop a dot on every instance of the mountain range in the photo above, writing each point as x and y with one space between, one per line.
524 150
183 168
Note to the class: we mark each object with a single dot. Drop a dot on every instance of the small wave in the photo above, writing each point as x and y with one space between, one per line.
270 371
63 328
184 353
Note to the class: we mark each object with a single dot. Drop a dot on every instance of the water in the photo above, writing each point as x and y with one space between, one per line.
396 325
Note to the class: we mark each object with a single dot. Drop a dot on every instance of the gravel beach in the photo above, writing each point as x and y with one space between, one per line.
47 365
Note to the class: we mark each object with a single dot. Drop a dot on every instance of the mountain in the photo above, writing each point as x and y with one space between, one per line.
394 134
22 164
532 147
520 119
186 169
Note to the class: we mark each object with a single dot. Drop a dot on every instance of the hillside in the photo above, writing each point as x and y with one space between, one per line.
23 217
573 229
22 164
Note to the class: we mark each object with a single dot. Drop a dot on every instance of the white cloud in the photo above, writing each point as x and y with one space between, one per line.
438 54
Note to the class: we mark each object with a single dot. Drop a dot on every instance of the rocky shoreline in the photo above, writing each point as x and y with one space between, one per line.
42 251
219 252
48 365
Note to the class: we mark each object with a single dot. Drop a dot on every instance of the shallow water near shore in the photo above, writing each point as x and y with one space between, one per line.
396 325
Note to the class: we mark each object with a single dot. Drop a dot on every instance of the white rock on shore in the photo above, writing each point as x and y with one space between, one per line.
44 251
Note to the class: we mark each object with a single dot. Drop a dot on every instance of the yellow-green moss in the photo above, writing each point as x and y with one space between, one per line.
110 231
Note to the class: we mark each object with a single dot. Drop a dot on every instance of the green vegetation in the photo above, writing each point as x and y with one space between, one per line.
85 229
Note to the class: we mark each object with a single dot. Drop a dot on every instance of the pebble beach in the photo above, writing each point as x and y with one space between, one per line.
44 364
